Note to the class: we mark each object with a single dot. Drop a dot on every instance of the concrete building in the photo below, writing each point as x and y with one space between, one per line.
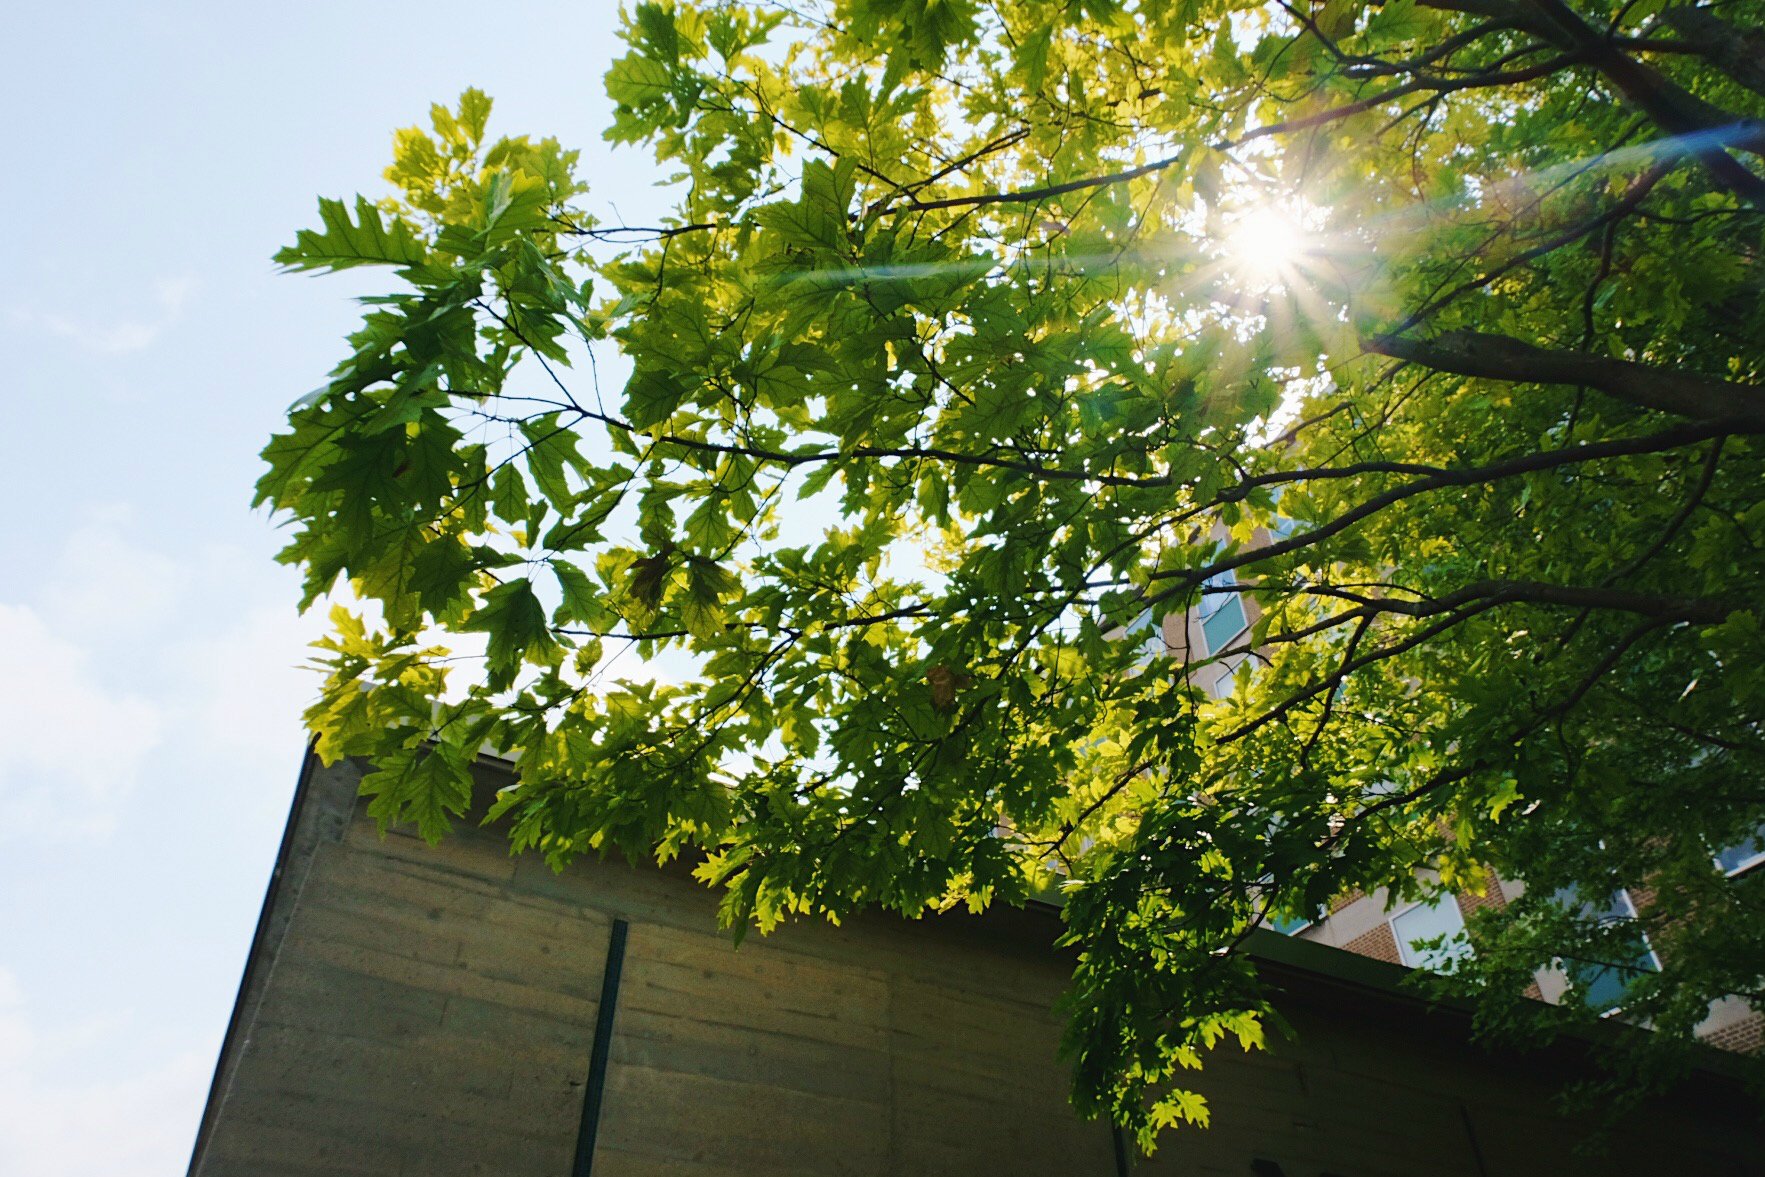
412 1010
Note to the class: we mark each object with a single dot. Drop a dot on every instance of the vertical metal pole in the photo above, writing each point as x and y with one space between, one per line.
1471 1135
1121 1150
596 1086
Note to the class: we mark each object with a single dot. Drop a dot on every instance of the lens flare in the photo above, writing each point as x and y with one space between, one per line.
1265 245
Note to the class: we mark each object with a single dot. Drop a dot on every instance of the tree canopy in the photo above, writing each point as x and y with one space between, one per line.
970 336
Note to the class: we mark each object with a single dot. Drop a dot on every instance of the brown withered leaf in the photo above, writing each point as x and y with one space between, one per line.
945 683
648 576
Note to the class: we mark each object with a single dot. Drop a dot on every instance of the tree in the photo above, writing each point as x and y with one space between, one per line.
978 331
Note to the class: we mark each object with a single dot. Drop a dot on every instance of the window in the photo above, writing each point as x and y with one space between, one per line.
1743 855
1149 634
1289 925
1222 612
1227 682
1280 527
1601 987
1286 925
1436 918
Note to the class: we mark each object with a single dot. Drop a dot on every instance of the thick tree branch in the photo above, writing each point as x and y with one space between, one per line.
1475 599
1710 129
1501 357
1188 578
1435 87
1487 594
1737 52
1421 85
1695 610
1675 109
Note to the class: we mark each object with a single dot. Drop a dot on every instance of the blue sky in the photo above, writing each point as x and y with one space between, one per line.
149 734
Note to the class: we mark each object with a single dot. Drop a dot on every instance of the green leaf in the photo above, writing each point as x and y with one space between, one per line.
702 608
516 624
1032 56
430 788
582 600
639 82
508 494
342 243
656 30
441 575
1399 20
550 448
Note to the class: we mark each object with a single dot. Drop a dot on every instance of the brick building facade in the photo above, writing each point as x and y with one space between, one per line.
1371 926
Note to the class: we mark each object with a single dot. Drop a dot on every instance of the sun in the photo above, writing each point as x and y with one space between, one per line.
1265 245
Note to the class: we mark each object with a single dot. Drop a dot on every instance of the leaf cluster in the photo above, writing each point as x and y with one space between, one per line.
945 371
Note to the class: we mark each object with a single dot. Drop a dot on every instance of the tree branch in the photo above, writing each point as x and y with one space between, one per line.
1675 110
1188 578
1501 357
1031 195
1696 610
1737 52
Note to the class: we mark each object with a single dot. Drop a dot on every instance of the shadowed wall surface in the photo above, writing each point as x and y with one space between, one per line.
414 1010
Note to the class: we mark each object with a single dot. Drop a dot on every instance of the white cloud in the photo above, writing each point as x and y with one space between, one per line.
121 649
69 748
108 586
152 684
243 688
100 1123
116 336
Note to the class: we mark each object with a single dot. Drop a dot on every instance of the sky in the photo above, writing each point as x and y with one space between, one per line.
151 649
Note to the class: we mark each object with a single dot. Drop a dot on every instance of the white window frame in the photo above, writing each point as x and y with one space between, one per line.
1405 951
1227 680
1640 930
1202 615
1302 926
1642 934
1746 864
1152 645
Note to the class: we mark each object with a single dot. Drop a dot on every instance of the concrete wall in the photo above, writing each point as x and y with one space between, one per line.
433 1011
